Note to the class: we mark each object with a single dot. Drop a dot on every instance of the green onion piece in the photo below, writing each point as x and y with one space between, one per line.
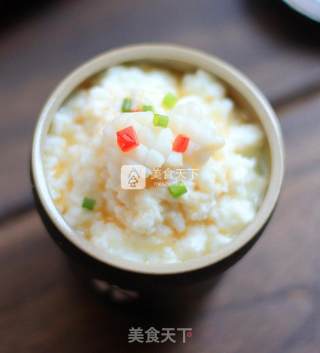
169 100
147 108
126 105
177 190
160 120
88 203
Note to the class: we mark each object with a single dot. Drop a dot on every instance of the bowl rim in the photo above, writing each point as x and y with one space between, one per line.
199 59
305 9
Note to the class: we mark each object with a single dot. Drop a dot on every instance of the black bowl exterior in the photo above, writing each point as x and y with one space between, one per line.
155 283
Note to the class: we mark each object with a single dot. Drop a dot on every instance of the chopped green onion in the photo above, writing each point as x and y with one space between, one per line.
126 105
147 108
160 120
177 190
88 203
169 100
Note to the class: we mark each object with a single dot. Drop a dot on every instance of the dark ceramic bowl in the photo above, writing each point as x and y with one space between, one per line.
138 276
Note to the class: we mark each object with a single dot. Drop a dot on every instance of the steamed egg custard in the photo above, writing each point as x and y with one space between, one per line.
154 166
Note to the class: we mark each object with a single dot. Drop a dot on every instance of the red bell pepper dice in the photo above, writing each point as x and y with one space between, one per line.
127 139
180 143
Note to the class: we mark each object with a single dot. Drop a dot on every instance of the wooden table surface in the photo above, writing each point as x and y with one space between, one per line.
269 302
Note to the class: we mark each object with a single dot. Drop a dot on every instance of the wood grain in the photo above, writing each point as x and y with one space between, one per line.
38 50
268 303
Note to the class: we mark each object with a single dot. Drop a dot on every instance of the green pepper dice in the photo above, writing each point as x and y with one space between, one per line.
88 203
177 190
169 101
160 120
126 105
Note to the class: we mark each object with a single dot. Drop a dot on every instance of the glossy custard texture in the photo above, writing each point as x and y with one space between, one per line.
205 162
